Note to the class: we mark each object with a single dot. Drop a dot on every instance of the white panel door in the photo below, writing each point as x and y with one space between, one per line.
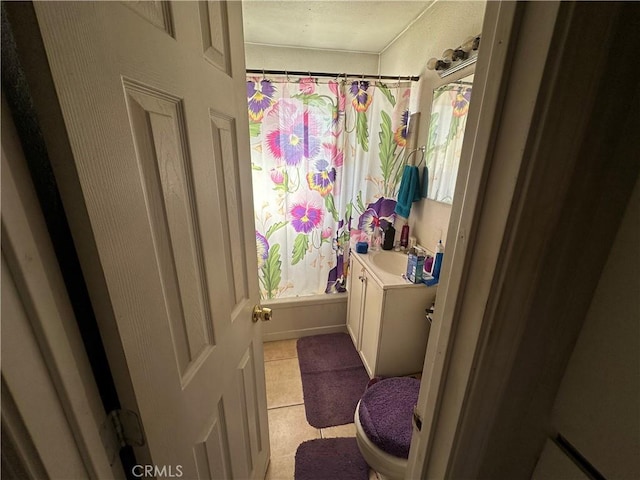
153 100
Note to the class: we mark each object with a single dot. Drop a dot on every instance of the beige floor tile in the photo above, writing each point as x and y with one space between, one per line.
348 430
281 468
280 350
284 383
288 428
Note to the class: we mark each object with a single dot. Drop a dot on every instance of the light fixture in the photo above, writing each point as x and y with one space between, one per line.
447 55
456 59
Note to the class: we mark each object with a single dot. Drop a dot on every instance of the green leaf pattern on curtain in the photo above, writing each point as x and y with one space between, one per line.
387 93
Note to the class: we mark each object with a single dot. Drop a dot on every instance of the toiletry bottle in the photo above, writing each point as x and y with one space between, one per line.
411 261
404 236
376 237
428 263
437 261
389 237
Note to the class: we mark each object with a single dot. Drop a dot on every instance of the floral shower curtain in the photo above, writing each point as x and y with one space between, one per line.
446 132
327 158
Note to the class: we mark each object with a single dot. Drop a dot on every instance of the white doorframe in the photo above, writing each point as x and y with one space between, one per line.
526 237
499 28
58 411
34 62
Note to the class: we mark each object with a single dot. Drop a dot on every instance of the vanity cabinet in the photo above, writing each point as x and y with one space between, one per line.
356 287
386 321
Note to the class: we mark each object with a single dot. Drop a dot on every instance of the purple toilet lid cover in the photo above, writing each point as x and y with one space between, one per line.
385 413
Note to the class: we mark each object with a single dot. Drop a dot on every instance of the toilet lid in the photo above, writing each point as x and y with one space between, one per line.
385 413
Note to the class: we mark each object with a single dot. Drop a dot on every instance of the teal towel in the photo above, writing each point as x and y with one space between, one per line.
409 190
415 183
425 182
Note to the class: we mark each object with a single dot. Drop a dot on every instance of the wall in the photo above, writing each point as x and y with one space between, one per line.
597 404
448 23
444 25
270 57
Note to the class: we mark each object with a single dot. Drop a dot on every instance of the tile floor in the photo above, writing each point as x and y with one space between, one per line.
288 425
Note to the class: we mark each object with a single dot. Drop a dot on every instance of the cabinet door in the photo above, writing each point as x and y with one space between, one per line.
372 313
356 290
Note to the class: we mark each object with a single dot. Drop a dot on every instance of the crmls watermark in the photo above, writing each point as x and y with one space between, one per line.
153 471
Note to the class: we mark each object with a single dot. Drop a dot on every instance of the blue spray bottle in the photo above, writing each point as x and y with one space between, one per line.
437 261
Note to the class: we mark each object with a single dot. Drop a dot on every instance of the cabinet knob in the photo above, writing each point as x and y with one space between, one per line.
361 277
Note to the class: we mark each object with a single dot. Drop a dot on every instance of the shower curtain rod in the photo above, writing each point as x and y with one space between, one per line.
457 82
332 75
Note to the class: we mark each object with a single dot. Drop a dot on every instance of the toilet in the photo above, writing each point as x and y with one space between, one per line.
383 420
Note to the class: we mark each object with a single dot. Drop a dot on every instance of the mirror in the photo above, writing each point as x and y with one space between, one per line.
448 119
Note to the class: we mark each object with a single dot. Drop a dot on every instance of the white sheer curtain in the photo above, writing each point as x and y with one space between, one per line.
446 133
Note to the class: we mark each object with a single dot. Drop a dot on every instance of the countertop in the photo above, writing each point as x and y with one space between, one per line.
390 277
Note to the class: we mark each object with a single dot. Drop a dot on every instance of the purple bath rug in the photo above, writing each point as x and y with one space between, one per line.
330 458
333 379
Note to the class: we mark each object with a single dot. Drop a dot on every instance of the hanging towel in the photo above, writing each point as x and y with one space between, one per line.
425 182
409 190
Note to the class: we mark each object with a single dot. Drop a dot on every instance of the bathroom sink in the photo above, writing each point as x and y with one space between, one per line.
394 263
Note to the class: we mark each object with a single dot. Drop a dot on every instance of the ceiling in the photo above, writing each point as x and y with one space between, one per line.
348 25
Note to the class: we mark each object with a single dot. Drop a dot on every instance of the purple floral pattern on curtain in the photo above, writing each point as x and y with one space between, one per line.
319 179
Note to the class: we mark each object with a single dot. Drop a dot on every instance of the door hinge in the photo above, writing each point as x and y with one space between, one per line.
120 428
417 419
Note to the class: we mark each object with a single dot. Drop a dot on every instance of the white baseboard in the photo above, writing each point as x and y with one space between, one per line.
289 334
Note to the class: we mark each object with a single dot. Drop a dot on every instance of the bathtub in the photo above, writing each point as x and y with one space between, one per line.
302 316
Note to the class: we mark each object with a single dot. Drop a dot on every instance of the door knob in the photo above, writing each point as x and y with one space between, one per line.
261 313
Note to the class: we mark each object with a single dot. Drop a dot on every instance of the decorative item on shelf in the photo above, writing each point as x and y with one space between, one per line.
454 59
